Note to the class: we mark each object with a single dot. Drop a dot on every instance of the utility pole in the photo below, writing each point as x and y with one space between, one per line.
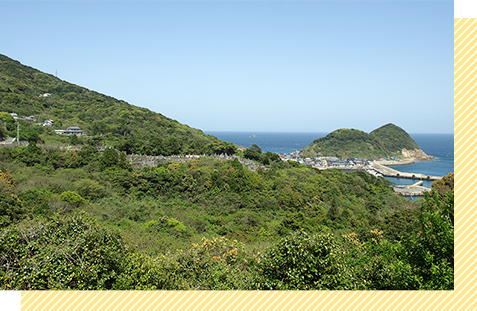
18 134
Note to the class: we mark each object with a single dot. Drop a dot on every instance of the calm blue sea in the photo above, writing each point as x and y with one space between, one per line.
267 141
441 146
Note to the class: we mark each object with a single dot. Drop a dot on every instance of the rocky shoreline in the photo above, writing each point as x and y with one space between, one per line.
410 156
404 161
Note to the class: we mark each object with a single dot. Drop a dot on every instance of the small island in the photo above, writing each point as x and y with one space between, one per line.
387 142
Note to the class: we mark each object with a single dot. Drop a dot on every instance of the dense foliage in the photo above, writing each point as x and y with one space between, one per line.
212 224
255 153
11 208
385 141
82 218
59 253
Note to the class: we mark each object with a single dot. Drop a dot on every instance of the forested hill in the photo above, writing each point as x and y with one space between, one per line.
95 113
386 141
393 138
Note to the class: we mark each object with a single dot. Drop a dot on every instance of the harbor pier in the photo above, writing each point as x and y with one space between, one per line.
413 190
390 172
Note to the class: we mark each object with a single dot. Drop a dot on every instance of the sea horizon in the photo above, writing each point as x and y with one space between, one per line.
438 145
304 132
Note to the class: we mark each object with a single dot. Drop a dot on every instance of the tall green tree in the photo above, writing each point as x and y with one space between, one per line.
6 117
8 123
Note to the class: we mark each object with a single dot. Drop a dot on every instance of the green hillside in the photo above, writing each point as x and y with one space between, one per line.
87 219
95 113
386 141
346 143
393 138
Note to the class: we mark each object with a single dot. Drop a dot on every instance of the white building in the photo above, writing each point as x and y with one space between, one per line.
73 130
48 123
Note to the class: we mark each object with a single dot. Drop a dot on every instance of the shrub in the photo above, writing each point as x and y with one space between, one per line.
11 208
431 251
139 272
303 262
89 189
62 253
212 264
73 198
37 200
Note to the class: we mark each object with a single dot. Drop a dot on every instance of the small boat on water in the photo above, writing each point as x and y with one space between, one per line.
253 135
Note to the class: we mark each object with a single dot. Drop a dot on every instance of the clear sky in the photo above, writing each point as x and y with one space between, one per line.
279 66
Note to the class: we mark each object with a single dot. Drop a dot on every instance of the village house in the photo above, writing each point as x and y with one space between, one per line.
340 164
73 130
48 123
30 118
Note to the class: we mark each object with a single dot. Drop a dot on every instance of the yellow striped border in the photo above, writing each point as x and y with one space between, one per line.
462 298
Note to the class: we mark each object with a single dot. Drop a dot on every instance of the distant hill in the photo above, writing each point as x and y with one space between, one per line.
386 141
393 138
95 113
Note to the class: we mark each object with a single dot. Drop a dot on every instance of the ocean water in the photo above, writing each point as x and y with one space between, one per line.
441 146
275 142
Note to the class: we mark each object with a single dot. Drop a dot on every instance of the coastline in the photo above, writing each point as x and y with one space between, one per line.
405 161
396 162
382 168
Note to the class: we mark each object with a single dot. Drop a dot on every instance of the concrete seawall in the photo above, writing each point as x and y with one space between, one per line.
413 190
390 172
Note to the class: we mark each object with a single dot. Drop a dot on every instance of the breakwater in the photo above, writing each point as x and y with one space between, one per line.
413 190
390 172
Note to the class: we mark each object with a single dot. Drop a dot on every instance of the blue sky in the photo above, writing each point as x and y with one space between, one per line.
309 66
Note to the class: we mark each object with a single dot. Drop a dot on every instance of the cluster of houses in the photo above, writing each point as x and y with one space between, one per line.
324 162
72 130
30 118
